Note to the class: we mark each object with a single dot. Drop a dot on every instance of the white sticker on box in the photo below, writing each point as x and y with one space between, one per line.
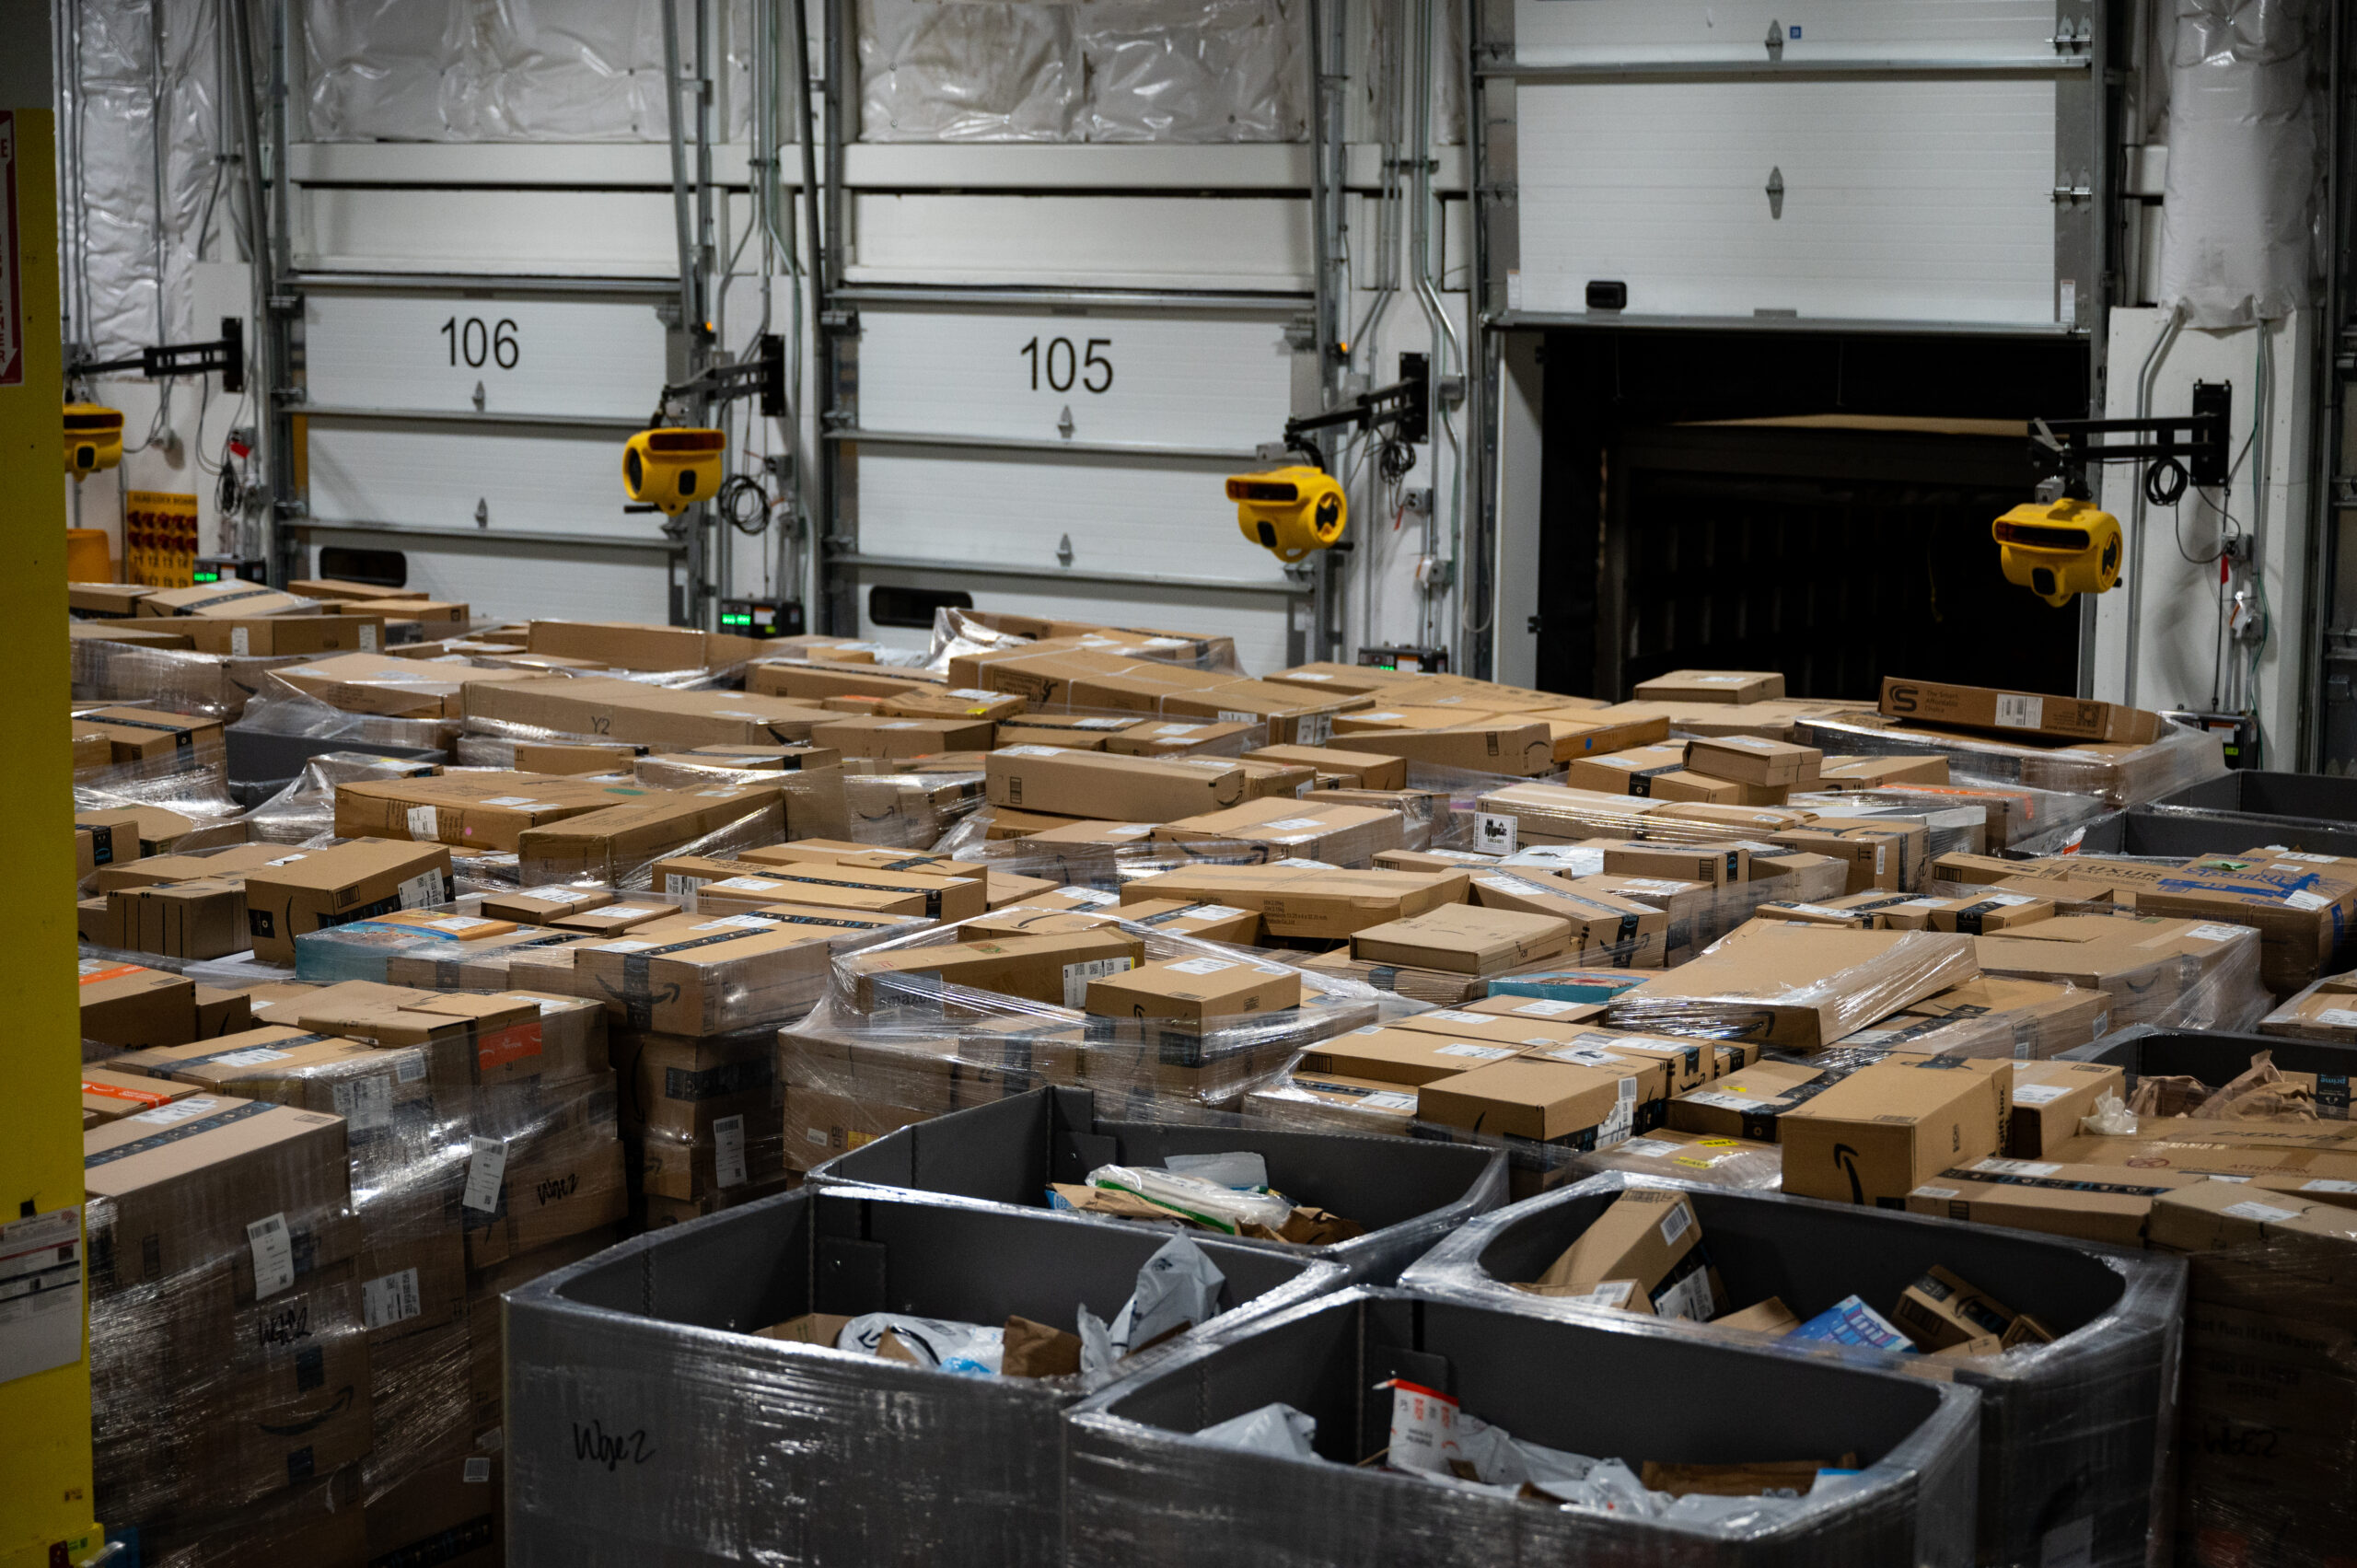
179 1110
1675 1224
728 1151
420 891
1649 1148
1030 751
2338 1017
366 1102
2009 900
1935 1192
2237 1180
1722 1100
1177 729
1385 1100
2215 932
1293 824
1689 1298
1649 883
816 1136
1478 1053
1227 717
1383 717
389 1299
1201 966
476 1472
253 1056
1876 1037
273 1253
625 946
2017 1167
1307 675
2324 1185
1586 1056
1499 833
1550 1009
424 822
2018 709
240 640
456 924
738 714
2311 859
486 1168
509 800
1314 729
1077 976
974 694
1097 897
1613 1293
737 922
1882 858
409 1067
901 724
367 639
1452 1015
1211 911
2304 900
2041 1094
747 885
2264 1213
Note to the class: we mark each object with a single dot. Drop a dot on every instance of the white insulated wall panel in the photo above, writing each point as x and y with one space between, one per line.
430 350
1558 32
1082 242
432 475
1012 508
552 233
1918 200
1159 380
501 580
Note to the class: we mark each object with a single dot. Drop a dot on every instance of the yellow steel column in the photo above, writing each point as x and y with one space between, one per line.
45 1506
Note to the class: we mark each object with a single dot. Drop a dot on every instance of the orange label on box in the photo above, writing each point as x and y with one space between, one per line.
508 1045
138 1097
117 972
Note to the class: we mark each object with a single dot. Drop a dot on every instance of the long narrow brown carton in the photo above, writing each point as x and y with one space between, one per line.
2016 712
339 885
1081 784
1307 903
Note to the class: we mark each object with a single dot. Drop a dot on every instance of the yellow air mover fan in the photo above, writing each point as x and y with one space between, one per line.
672 469
93 438
1290 511
2058 548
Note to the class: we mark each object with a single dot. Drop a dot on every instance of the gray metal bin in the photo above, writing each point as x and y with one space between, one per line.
646 1424
1142 1491
2217 1057
1408 1193
2074 1436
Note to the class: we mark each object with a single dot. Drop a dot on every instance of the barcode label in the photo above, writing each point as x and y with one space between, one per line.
389 1299
485 1171
728 1151
1077 976
274 1255
424 822
366 1103
2018 709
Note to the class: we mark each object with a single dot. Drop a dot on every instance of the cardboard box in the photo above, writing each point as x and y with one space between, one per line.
1889 1128
237 598
2017 713
1464 939
814 683
1522 751
110 1095
139 734
1079 784
478 811
1649 1238
1749 759
1162 738
2027 1019
628 710
545 906
1342 834
613 919
552 1189
1055 970
862 736
1524 1098
613 843
127 1004
1749 1103
1341 1104
2089 1203
1713 862
686 978
204 919
1388 1054
1943 1310
1195 989
625 644
723 885
1974 915
219 1013
241 636
1881 773
1712 686
1625 932
370 683
2049 1099
1585 732
1303 903
1648 773
336 886
1359 769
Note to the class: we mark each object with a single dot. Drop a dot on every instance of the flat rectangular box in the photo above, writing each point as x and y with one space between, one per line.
863 736
627 709
1388 1055
476 811
1305 903
1362 770
1887 1129
2088 1202
138 734
1522 751
1561 1103
720 885
339 885
276 636
1749 759
1055 970
1343 834
2048 1099
2017 713
1465 939
1196 990
242 600
1038 778
1800 987
615 843
1716 686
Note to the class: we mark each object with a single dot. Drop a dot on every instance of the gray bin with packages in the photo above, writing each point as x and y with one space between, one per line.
1144 1491
2217 1057
1405 1194
2074 1434
649 1422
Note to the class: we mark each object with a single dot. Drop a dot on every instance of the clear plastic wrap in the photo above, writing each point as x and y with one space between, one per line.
2210 982
2013 815
2074 1434
1550 814
305 810
229 1356
2119 775
2324 1011
968 73
277 708
702 1116
733 1446
1193 70
1406 1198
216 685
1141 1491
906 810
513 71
1794 987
